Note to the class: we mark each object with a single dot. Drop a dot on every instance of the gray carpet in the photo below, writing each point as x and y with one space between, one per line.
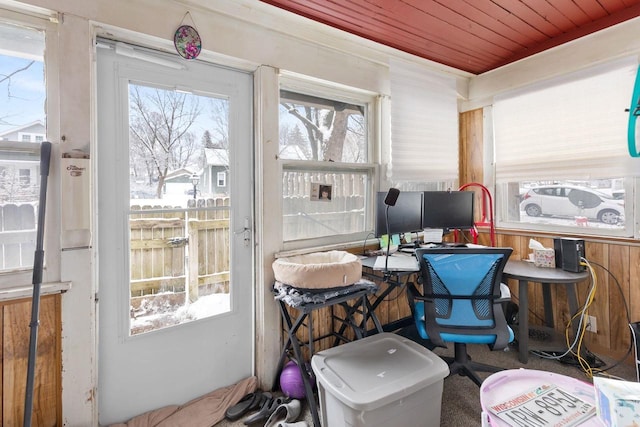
461 397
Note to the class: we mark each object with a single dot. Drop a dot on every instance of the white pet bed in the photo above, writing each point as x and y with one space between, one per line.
318 270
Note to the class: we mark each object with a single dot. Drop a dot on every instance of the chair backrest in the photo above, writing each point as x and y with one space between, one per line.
461 289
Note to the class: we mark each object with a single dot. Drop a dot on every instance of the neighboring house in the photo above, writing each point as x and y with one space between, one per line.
216 171
20 163
293 151
178 183
32 132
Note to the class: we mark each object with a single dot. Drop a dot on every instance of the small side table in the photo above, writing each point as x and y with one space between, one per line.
525 272
353 299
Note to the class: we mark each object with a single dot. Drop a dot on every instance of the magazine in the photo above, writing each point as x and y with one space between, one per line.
546 405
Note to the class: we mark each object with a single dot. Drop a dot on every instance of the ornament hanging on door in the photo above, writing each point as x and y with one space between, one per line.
187 40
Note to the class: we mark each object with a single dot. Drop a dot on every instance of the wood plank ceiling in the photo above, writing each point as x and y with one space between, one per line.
471 35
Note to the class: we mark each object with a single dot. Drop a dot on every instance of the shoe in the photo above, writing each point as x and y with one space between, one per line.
265 411
298 424
286 412
248 403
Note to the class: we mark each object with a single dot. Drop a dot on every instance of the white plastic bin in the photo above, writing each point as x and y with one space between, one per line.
382 380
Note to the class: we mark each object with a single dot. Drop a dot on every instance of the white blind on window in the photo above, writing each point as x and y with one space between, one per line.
572 127
424 125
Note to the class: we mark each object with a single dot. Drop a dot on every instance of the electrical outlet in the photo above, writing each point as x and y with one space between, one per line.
592 325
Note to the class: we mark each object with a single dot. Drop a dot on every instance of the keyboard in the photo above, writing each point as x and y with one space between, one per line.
397 263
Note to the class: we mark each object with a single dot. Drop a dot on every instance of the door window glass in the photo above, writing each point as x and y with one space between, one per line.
179 214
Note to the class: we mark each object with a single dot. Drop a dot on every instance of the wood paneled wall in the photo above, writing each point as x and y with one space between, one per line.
47 397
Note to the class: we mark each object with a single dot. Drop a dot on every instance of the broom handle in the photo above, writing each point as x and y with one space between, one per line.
38 260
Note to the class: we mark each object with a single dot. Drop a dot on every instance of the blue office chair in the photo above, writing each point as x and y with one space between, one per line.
460 303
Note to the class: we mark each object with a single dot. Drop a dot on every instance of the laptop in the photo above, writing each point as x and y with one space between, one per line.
397 263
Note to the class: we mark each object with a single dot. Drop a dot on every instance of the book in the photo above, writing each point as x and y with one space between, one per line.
546 405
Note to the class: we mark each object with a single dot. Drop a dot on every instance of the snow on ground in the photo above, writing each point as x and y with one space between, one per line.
156 313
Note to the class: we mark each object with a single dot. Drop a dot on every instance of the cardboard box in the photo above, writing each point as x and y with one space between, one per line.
544 258
617 402
379 381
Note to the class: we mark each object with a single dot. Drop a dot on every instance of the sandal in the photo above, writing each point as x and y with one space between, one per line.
286 412
249 402
268 407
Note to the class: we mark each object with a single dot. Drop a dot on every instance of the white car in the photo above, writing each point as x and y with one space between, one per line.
572 201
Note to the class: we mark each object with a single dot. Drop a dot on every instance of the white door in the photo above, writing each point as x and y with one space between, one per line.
174 213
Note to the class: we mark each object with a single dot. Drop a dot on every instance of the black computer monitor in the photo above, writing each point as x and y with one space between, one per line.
404 217
448 210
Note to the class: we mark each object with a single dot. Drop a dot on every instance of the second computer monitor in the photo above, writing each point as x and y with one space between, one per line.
448 210
404 217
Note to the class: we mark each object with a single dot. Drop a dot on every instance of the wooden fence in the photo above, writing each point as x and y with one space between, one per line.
305 218
176 250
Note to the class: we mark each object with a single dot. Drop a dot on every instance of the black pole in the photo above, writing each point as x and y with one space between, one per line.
389 200
386 260
45 157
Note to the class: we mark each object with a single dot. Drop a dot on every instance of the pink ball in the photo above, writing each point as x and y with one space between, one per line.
291 381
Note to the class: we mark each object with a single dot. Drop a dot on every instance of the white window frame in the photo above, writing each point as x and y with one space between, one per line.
310 86
39 19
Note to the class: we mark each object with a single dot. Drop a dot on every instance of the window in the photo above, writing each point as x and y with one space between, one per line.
25 177
325 150
561 153
222 179
22 112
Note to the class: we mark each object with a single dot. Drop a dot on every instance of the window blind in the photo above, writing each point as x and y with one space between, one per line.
424 125
573 127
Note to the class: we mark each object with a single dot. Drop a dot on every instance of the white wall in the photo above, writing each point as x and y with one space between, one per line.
246 34
615 42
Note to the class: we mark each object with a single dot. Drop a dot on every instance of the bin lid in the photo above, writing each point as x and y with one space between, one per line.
374 371
502 385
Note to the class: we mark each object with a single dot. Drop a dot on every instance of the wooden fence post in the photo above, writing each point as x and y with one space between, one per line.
192 269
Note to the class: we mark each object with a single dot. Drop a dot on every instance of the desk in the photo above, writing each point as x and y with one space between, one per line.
394 280
525 272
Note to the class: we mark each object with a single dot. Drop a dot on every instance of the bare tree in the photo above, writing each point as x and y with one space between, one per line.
219 109
15 188
159 127
326 129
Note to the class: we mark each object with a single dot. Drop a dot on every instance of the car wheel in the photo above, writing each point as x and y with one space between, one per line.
533 210
609 216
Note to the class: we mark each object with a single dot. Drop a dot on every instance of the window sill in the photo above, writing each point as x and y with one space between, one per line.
21 292
348 247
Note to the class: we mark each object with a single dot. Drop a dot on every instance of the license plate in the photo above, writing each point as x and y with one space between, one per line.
544 406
